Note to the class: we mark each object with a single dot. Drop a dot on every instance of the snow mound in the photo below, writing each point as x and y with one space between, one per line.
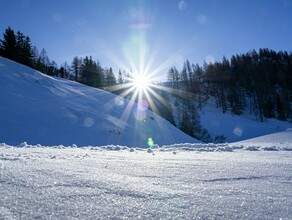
40 109
270 142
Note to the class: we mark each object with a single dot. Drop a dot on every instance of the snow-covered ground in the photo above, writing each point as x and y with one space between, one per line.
114 182
251 179
237 128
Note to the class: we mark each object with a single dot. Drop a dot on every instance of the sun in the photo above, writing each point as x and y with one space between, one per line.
141 82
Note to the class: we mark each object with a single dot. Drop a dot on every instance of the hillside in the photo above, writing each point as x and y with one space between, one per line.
40 109
237 127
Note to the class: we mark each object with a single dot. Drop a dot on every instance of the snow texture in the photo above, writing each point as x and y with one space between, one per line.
116 182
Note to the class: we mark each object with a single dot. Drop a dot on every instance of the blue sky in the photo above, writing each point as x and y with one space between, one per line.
150 35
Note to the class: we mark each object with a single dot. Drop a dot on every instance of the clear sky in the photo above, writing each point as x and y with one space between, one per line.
150 35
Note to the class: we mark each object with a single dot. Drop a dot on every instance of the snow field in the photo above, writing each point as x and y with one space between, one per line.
98 183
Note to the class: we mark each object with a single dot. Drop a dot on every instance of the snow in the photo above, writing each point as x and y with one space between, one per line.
73 152
280 140
40 109
116 182
237 128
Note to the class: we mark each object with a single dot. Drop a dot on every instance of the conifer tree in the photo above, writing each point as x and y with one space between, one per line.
76 66
120 77
24 53
92 73
110 78
8 45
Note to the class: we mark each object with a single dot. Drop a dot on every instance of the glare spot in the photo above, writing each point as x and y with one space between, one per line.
150 142
141 82
143 105
88 122
202 19
119 101
182 5
237 131
210 59
140 115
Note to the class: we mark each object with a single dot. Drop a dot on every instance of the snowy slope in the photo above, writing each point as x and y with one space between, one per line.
40 109
95 183
237 128
278 140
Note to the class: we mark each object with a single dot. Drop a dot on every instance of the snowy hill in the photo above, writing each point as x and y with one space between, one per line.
237 128
40 109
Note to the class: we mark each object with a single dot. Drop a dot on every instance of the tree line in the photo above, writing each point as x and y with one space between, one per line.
257 81
18 47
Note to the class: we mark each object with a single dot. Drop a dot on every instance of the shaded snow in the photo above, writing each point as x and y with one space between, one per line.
40 109
237 128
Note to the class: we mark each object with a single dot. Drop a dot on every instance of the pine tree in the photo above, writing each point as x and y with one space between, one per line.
76 67
52 69
189 74
8 45
184 78
120 77
173 77
110 78
92 73
43 62
24 53
65 72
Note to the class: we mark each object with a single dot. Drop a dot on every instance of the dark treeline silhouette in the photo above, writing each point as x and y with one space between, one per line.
260 82
18 47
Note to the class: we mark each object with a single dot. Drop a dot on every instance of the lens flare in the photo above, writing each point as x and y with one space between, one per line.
141 82
150 142
119 101
140 115
88 122
140 72
237 131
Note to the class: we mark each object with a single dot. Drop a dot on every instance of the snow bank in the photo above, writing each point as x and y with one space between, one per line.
271 142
